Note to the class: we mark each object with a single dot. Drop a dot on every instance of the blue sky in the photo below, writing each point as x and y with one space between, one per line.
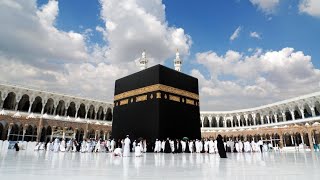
245 53
210 24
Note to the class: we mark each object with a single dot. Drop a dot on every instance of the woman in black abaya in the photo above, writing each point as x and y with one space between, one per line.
221 149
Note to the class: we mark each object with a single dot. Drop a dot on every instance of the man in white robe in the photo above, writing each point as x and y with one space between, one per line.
63 146
191 144
231 145
134 144
240 146
50 146
237 147
69 145
84 146
247 147
126 146
211 146
206 146
117 152
112 145
42 146
137 151
97 147
56 145
108 144
183 146
171 145
156 146
36 148
163 144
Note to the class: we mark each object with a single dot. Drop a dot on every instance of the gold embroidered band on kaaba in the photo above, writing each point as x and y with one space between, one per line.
156 87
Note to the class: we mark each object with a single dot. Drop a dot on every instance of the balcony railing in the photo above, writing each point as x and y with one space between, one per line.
26 115
306 121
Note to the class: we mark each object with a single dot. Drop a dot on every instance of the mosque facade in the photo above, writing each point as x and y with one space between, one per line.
28 114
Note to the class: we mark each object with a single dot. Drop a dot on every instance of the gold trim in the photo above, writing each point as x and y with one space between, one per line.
156 87
123 102
141 98
174 98
189 101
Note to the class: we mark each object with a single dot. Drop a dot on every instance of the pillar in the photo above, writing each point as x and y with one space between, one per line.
74 133
310 140
210 121
23 133
202 119
302 113
95 134
276 118
9 130
292 115
313 112
254 119
104 136
30 106
16 106
284 117
53 128
292 141
108 135
64 133
66 110
281 139
86 115
301 135
268 118
39 129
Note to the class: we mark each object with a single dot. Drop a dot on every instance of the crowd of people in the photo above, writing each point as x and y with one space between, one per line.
123 147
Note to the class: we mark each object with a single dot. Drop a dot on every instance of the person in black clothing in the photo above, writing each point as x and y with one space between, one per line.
221 149
167 148
16 146
187 147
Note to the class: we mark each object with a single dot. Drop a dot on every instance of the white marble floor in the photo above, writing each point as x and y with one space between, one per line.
60 166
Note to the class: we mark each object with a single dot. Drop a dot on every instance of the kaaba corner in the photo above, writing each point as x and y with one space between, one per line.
157 102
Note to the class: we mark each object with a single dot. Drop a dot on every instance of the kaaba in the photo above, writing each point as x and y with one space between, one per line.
156 103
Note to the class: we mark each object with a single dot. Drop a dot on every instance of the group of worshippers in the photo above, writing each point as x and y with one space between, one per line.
246 146
191 146
71 145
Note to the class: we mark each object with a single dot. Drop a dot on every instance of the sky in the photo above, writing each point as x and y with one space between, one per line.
245 53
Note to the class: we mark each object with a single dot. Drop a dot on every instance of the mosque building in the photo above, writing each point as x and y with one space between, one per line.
36 115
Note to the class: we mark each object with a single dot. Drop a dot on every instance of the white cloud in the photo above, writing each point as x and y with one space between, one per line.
35 52
266 6
256 79
134 25
255 35
310 7
235 34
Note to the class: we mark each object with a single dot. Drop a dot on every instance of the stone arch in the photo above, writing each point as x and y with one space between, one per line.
214 122
37 105
109 114
100 113
242 120
264 119
220 123
31 133
228 123
206 122
79 135
49 107
307 112
71 110
16 132
317 108
60 110
297 113
235 121
91 112
10 101
24 103
250 120
92 134
82 111
279 116
288 115
258 119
